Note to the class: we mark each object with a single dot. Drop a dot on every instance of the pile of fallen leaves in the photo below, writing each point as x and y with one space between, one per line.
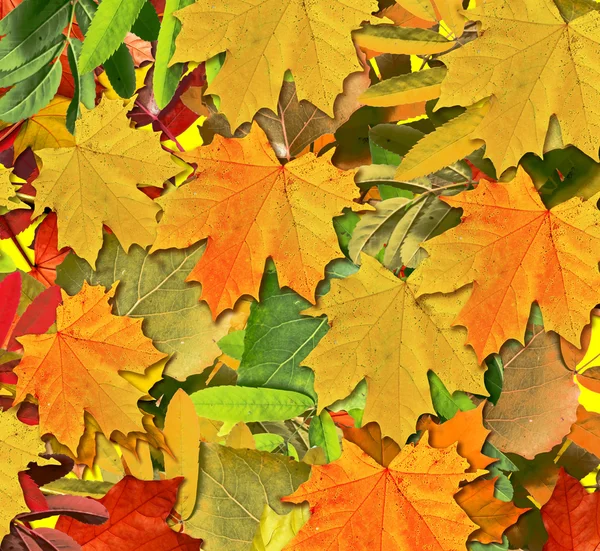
309 275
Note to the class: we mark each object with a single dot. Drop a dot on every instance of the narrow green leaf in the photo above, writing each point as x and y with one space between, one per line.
401 40
111 23
167 78
119 67
397 138
85 87
29 96
267 442
45 56
403 89
147 25
232 404
374 175
494 378
322 432
29 29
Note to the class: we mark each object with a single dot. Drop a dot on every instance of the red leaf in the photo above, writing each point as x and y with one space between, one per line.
571 516
14 222
10 295
138 511
47 255
7 6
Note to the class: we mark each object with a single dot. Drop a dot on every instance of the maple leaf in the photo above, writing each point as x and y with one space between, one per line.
77 368
8 197
47 255
263 39
251 207
571 516
516 251
409 505
94 182
138 513
380 329
537 405
492 515
560 56
21 444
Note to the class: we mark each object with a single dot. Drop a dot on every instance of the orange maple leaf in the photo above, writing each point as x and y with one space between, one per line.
359 505
516 251
492 515
251 207
77 368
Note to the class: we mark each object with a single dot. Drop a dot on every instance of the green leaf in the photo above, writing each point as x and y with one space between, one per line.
276 531
446 405
147 25
398 138
232 344
119 67
267 442
278 339
322 432
29 96
403 89
111 23
232 404
503 463
85 86
381 156
29 29
356 400
377 174
503 489
153 288
166 79
75 486
494 377
477 546
42 58
344 226
233 488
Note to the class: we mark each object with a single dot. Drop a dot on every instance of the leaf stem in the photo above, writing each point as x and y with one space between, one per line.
161 125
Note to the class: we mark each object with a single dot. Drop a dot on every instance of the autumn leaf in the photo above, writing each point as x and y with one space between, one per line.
358 504
368 438
138 513
560 56
94 182
491 514
21 445
362 310
8 191
77 368
253 208
47 256
449 11
264 39
585 431
539 397
516 251
571 516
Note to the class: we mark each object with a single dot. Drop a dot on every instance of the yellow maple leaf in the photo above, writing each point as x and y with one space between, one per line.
252 207
94 182
77 368
534 64
381 332
8 190
517 251
21 444
264 38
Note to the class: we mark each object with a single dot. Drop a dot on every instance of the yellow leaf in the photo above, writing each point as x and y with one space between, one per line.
388 336
442 11
182 434
139 464
8 198
401 40
556 74
94 182
46 129
275 531
20 444
445 145
264 38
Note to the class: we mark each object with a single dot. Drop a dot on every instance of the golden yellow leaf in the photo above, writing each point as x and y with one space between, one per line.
382 332
46 129
77 368
252 207
517 251
8 199
264 38
94 182
437 10
533 64
21 444
182 433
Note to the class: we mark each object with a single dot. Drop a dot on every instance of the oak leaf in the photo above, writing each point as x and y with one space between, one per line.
409 505
571 516
77 368
251 208
263 39
392 339
94 182
138 514
492 515
560 56
516 251
21 444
